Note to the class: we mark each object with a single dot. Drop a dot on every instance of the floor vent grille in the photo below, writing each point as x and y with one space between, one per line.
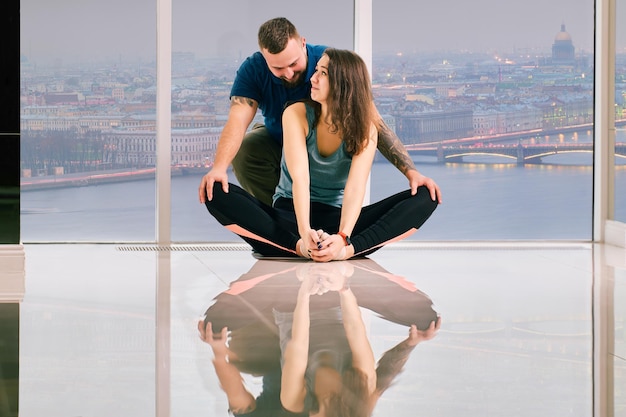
409 246
184 248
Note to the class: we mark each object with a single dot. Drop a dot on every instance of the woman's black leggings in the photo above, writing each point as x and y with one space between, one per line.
273 231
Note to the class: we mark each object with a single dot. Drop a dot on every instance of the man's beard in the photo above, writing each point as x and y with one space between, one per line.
295 81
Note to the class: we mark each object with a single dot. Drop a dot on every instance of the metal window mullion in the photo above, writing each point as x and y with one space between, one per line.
604 123
163 207
363 46
164 122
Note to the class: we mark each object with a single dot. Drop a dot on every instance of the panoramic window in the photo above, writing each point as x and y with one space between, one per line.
207 51
499 116
88 105
88 101
498 111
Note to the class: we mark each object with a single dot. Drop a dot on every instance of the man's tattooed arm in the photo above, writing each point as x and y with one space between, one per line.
393 149
391 365
234 100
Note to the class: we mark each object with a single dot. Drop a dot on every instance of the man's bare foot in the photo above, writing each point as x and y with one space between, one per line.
345 253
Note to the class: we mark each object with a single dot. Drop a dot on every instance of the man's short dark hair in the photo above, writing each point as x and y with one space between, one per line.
275 34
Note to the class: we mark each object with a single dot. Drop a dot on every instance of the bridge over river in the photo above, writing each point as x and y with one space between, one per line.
521 153
511 145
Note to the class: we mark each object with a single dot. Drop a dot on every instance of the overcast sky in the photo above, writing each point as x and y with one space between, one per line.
125 29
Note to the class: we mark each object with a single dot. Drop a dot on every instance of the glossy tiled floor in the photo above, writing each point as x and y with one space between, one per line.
526 329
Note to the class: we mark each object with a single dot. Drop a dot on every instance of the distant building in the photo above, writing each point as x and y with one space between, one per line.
137 148
58 99
563 51
507 119
45 119
435 125
57 118
118 94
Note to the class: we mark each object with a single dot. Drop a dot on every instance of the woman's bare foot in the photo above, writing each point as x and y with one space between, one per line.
301 250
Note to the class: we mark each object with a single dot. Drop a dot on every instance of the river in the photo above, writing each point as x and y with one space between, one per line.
482 200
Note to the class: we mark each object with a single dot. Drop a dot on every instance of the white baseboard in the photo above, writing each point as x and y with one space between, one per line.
615 244
615 233
12 273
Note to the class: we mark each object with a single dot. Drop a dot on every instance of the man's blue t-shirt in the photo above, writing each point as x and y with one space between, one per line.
255 80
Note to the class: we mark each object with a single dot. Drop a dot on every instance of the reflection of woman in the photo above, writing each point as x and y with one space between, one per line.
247 324
328 150
329 382
328 371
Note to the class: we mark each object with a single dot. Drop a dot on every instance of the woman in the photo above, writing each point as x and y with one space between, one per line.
328 151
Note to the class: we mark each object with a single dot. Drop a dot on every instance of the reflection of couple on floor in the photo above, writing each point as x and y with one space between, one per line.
299 326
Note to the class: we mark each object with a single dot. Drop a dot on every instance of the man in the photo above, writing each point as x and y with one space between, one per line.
267 80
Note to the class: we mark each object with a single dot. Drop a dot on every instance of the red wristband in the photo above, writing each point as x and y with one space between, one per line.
346 238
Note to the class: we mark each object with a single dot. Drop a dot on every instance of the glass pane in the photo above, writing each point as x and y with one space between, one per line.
498 111
207 51
620 115
88 120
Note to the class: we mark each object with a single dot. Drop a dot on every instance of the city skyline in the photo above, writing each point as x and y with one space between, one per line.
75 31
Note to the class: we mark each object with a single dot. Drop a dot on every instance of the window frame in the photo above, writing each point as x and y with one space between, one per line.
605 228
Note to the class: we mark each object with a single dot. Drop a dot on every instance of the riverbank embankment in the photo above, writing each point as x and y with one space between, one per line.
84 179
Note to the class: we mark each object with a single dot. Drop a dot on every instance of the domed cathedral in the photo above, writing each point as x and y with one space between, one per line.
563 48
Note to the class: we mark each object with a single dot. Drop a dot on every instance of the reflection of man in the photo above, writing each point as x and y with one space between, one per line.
240 329
252 355
267 80
240 324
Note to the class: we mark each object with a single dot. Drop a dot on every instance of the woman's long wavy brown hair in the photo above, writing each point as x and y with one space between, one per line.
353 399
350 98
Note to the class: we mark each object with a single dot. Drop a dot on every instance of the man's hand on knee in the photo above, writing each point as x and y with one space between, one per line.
205 191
